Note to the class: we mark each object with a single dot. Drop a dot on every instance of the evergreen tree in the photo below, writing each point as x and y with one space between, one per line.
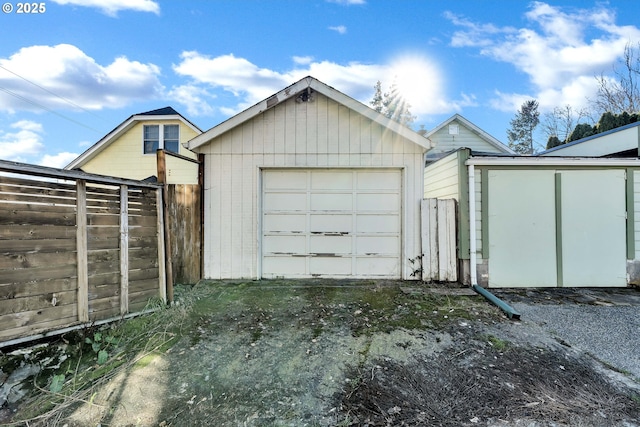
392 104
522 126
582 130
553 141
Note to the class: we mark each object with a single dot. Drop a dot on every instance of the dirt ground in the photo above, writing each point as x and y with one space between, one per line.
325 353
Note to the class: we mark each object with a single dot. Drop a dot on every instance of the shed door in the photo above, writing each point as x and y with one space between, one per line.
593 228
522 231
331 223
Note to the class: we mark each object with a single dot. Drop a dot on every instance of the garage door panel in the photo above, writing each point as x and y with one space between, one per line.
338 266
285 202
381 223
329 244
285 244
331 202
285 266
288 180
368 267
331 180
378 202
378 181
377 245
330 223
279 222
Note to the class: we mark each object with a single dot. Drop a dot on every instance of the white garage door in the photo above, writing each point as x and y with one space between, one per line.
331 223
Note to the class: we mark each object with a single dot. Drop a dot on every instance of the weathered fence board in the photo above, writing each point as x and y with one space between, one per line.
439 240
64 247
185 228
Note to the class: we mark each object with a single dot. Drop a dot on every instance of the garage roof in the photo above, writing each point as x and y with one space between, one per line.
307 85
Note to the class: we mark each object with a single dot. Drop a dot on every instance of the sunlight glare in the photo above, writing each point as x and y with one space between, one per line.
418 80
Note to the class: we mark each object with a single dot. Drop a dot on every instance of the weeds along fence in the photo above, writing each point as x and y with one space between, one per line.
75 249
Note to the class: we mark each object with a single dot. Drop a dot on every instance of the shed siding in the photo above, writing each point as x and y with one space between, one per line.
291 134
465 138
442 179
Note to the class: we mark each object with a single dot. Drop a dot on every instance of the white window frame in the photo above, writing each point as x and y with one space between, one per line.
160 137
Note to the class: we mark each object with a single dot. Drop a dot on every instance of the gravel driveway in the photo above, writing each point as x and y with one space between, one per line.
602 322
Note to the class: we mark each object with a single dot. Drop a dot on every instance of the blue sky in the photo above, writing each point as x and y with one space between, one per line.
72 73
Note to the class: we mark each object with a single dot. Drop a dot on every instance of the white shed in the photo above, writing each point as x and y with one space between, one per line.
311 183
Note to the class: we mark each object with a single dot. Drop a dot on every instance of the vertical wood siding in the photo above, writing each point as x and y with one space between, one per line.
291 134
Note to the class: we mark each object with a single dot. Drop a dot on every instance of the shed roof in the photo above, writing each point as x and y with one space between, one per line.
165 113
308 85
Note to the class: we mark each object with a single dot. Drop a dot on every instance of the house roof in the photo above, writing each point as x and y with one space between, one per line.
473 128
294 90
161 114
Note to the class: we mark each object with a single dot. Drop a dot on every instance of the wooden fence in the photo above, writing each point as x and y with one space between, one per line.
75 249
184 225
439 261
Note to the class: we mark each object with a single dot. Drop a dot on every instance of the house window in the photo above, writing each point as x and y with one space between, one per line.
161 136
171 138
151 138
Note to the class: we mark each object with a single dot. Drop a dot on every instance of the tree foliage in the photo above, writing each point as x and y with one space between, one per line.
523 125
392 104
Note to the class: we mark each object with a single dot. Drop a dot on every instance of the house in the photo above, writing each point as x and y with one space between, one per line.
619 142
311 183
129 151
543 221
457 132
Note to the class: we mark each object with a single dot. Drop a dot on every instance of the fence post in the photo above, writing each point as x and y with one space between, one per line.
124 249
161 244
81 248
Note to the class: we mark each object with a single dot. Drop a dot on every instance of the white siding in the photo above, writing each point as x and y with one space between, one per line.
319 133
441 179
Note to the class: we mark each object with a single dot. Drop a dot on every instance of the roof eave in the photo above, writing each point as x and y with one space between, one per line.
294 90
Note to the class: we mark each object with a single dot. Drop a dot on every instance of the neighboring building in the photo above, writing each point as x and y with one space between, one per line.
457 132
129 151
620 142
543 222
311 183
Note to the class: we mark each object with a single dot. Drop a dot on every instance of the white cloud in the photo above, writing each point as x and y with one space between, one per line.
25 142
59 160
303 60
64 75
194 98
243 83
557 51
340 29
112 7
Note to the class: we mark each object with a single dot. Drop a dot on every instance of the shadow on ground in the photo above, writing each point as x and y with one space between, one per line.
326 353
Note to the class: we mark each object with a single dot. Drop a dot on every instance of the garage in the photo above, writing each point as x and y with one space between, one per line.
311 183
331 223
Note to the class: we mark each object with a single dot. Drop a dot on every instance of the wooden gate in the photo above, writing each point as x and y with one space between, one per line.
439 260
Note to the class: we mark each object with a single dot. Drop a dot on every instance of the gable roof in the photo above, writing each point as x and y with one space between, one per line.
161 114
294 90
473 128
